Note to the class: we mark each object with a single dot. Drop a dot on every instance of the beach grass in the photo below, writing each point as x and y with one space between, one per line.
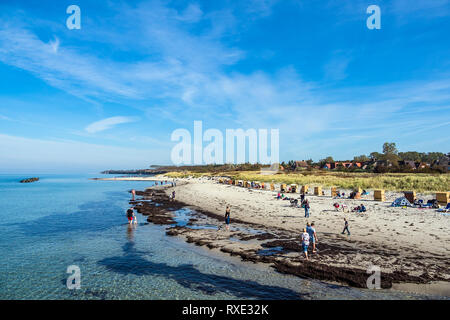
420 182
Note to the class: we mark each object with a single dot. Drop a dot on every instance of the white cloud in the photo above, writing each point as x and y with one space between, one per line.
192 13
185 74
108 123
2 117
55 45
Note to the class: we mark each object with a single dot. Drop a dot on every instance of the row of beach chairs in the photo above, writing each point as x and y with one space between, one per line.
443 198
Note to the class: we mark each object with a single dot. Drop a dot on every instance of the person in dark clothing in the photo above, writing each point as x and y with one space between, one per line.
307 209
346 227
227 218
130 215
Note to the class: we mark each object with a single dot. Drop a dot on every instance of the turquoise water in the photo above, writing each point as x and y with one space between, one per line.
61 220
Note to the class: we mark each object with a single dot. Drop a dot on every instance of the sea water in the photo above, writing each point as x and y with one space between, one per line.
70 220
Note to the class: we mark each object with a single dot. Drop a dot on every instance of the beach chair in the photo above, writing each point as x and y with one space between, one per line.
443 198
378 195
317 191
333 192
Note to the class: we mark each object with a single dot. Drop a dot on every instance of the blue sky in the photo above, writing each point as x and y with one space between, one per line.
110 95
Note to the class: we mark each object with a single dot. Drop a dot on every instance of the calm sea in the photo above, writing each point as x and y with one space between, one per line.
65 220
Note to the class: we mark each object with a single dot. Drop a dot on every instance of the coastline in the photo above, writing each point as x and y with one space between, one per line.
137 178
255 237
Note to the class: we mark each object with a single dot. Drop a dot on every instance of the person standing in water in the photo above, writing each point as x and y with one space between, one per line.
227 218
130 215
346 227
133 194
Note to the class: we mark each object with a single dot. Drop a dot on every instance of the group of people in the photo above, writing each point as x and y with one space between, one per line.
131 216
361 208
304 203
352 194
309 236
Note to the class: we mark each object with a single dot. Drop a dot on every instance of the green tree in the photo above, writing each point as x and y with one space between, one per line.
291 164
430 157
376 156
410 156
389 148
361 158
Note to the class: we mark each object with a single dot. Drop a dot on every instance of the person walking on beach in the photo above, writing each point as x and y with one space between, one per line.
305 243
130 215
302 197
312 235
173 195
307 208
227 218
346 227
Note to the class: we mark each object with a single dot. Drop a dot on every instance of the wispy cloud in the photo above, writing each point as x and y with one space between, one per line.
336 68
108 123
183 64
55 45
2 117
192 13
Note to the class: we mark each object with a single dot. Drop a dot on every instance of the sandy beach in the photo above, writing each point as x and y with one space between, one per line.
409 245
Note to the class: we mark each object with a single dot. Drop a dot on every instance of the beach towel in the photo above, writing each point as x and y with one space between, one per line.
446 209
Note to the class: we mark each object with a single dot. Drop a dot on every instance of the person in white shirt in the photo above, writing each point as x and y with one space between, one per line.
305 242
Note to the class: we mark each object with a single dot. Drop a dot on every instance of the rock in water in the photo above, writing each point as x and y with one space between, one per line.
29 180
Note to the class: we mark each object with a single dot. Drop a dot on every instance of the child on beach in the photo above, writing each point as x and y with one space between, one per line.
130 215
346 227
305 242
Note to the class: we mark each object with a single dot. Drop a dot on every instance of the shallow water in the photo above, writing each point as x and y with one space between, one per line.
60 221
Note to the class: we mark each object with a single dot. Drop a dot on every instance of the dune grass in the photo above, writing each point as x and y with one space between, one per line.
389 181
